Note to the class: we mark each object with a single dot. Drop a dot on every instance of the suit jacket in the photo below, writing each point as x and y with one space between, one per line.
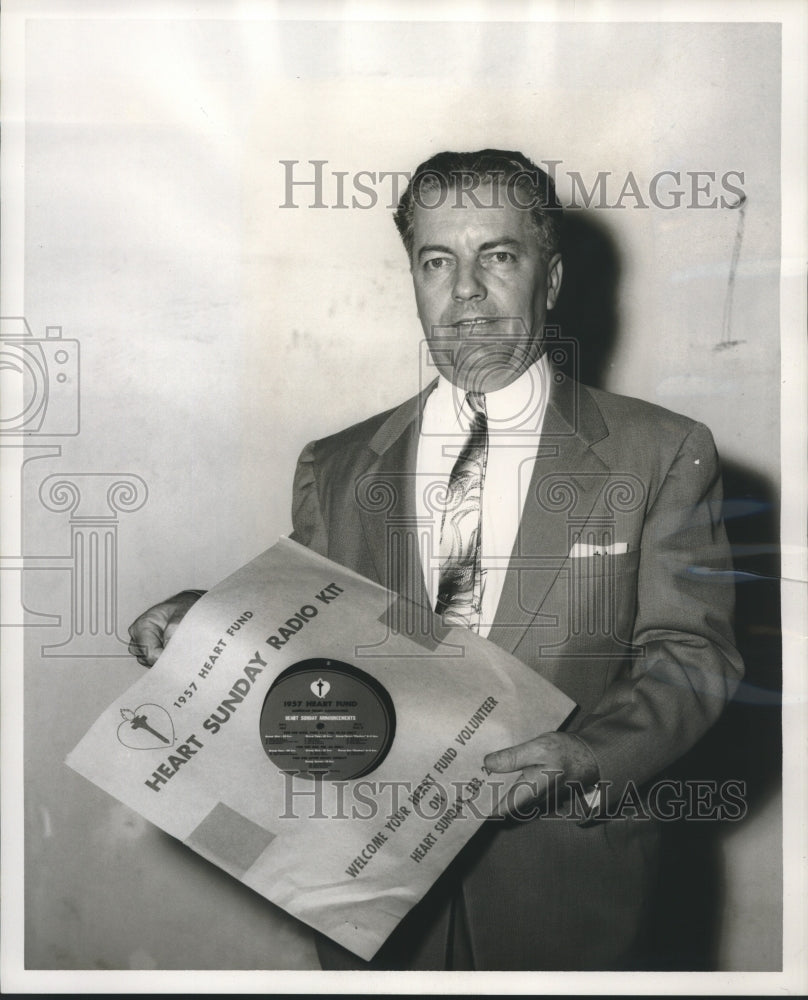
640 638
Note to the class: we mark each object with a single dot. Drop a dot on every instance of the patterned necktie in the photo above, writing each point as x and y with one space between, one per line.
461 579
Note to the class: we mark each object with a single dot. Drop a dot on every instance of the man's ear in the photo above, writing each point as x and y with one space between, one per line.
555 272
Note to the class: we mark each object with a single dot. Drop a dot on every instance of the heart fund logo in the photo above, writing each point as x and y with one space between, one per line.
148 727
320 687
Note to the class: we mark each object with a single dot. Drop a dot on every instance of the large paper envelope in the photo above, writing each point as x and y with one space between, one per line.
320 740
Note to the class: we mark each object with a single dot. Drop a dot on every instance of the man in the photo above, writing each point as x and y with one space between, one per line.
577 529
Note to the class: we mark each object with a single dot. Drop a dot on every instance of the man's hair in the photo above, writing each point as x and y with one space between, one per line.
518 180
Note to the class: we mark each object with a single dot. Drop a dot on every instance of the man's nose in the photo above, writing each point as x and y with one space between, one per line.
468 283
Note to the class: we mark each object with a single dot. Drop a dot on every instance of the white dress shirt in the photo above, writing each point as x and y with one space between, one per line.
515 419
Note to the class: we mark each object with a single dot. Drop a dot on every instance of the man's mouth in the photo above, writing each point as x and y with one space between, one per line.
475 321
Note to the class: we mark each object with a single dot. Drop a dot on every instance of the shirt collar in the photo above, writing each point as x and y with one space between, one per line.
517 407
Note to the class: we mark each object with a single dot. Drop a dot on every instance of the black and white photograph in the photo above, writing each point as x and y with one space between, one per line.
403 448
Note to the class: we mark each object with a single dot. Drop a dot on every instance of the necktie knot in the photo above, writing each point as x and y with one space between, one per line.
476 403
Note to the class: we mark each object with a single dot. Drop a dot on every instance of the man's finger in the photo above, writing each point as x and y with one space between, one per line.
533 752
147 642
151 631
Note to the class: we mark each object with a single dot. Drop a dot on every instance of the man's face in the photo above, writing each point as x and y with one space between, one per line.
483 287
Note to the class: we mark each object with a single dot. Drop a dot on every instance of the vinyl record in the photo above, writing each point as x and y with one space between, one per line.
325 719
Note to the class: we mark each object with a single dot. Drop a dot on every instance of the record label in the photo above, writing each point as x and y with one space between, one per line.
327 719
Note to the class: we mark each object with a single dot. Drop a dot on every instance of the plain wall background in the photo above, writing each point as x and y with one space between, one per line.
220 332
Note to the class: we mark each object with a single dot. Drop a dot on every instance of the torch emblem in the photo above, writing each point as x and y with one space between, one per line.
148 727
320 687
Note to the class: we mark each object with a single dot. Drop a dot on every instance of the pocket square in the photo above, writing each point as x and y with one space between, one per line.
581 550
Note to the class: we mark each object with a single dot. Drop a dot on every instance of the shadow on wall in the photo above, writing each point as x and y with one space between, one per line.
745 744
587 305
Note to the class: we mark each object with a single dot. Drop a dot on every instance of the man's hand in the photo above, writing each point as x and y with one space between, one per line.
547 761
152 630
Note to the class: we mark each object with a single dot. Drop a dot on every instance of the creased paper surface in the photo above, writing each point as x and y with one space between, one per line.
295 733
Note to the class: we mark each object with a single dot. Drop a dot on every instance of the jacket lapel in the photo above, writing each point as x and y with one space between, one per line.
387 507
566 481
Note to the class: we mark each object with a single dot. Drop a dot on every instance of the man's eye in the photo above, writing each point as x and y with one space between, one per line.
500 257
436 263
